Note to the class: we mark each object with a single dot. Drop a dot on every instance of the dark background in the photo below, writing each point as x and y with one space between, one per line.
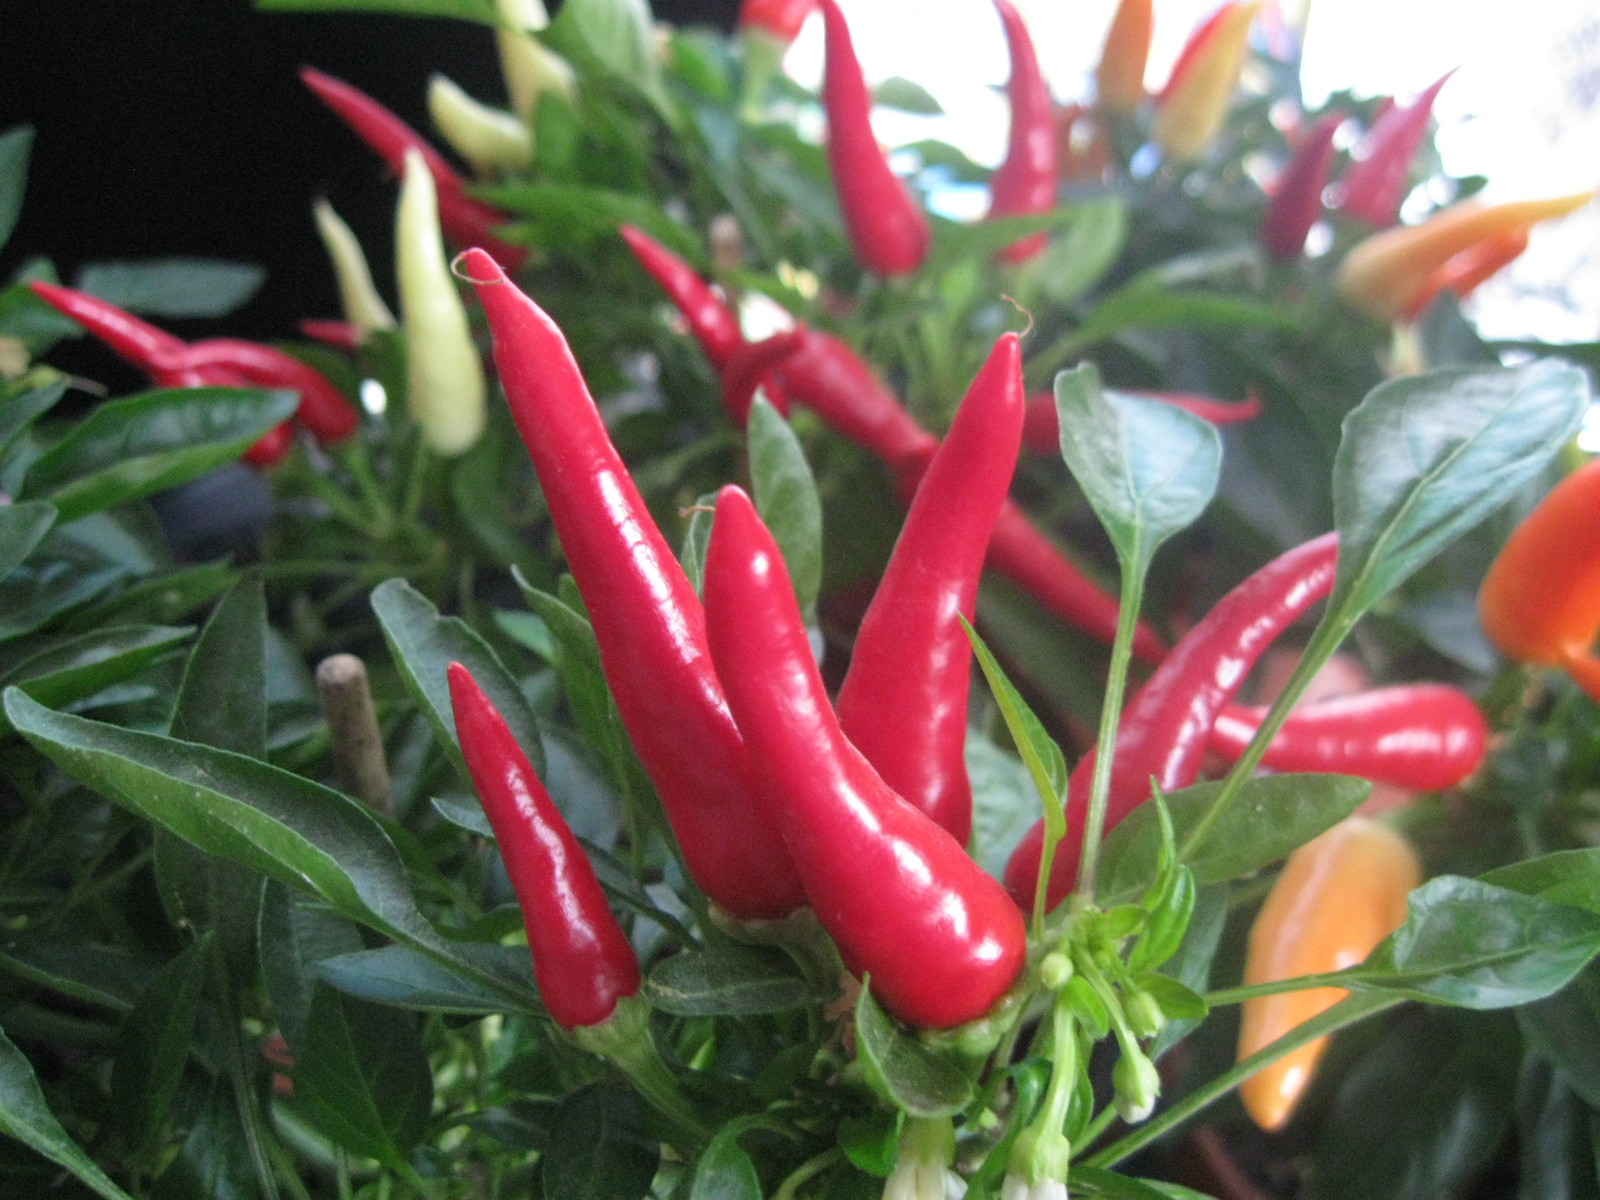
179 127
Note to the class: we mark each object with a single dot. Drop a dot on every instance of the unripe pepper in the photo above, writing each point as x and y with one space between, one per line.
444 375
1119 77
1540 601
1337 897
1190 109
903 703
886 228
582 960
939 938
1296 201
1423 737
647 620
489 138
529 67
1166 727
1374 183
358 296
1024 184
467 222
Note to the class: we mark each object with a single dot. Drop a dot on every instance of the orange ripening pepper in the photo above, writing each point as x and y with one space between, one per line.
1191 107
1540 601
1338 896
1387 273
1119 77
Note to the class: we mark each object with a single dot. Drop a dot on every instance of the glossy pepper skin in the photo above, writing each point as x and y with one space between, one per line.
1296 202
779 19
903 703
582 960
647 620
1191 108
1119 77
1540 601
886 228
466 221
940 939
1338 896
1166 727
1423 737
751 367
1024 184
1041 427
1374 183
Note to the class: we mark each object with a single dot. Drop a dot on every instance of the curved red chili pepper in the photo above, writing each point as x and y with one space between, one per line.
781 19
342 335
1041 427
268 449
1165 728
582 961
1425 737
1025 182
904 701
465 220
1374 183
886 228
323 409
647 620
711 321
827 377
749 368
1296 202
940 939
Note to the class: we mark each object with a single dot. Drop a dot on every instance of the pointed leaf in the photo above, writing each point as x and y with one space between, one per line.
15 146
786 497
173 287
919 1081
153 1045
22 528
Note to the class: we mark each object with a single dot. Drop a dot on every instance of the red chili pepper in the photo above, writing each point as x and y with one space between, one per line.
342 335
781 19
323 409
465 221
751 366
886 228
582 960
712 322
904 701
1041 428
1165 728
1374 183
1424 737
1296 202
647 620
827 377
1025 183
939 938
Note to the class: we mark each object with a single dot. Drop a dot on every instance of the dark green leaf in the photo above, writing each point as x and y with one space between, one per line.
68 670
568 215
424 644
1477 946
222 700
1564 877
398 975
482 11
1271 816
127 449
15 146
21 410
1148 469
919 1081
723 1171
1095 1181
153 1045
173 287
1565 1030
22 528
730 980
1142 305
599 1148
364 1078
24 1115
84 972
214 1161
295 936
1078 257
872 1140
786 498
1425 458
1191 966
1554 1155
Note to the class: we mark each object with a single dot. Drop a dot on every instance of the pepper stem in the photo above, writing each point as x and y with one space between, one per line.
623 1039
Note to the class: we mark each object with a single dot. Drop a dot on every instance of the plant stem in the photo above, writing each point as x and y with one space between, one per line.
805 1172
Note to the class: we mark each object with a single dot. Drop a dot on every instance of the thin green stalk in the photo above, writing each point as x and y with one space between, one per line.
1347 1012
1102 1121
806 1172
1298 983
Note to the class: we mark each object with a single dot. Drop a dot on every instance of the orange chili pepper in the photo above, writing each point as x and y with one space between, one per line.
1119 78
1190 109
1540 601
1338 896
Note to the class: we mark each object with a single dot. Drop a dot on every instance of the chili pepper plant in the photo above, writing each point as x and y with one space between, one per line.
749 687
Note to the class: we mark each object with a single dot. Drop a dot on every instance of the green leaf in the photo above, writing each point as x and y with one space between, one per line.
399 976
69 670
617 34
15 146
24 1115
481 11
22 528
786 497
1425 458
1474 945
723 1171
21 410
1565 1030
1564 877
1004 802
872 1140
1148 469
598 1147
1555 1157
214 1162
1142 305
364 1078
128 449
222 700
907 95
424 644
1096 1181
727 979
153 1046
173 287
295 937
1271 816
571 216
696 540
1039 752
1079 257
919 1081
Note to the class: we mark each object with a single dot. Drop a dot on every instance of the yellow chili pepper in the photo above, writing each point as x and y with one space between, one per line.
1339 895
1191 107
1387 273
1119 78
491 139
1540 601
358 296
529 67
